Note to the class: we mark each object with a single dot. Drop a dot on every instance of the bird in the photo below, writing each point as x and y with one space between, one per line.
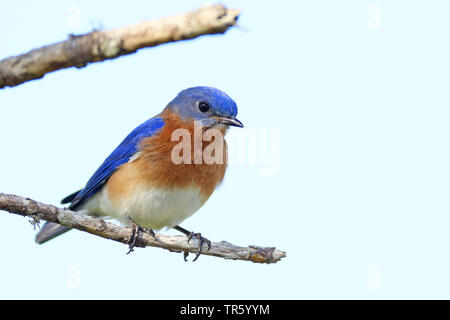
154 179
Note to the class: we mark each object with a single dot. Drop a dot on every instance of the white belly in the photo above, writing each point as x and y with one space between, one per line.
149 207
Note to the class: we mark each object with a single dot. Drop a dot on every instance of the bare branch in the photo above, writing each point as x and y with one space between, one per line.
37 211
96 46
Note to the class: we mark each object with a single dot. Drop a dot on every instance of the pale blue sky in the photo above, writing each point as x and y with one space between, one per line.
357 93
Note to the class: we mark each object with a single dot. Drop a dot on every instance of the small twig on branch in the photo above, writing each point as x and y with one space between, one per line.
96 46
36 211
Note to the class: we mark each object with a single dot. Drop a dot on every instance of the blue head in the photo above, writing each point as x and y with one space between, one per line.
206 104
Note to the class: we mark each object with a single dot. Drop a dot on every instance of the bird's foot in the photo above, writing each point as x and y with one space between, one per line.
150 232
202 240
197 236
135 229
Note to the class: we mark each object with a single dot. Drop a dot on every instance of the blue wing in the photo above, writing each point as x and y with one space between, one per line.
119 156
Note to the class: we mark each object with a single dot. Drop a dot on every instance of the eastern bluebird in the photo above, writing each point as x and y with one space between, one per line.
141 185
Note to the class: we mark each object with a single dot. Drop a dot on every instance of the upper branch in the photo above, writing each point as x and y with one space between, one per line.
78 51
36 210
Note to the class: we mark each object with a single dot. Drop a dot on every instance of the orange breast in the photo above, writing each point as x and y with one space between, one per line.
154 166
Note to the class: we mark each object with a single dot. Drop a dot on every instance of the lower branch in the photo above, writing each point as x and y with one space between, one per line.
29 208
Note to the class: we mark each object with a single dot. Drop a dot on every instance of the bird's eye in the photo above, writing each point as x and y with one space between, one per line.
203 106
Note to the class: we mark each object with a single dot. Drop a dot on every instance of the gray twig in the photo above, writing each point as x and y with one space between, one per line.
98 45
31 208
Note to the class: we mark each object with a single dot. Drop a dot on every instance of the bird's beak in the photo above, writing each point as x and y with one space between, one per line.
230 122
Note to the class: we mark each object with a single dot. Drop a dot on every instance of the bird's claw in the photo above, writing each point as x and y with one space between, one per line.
202 240
150 232
199 237
135 229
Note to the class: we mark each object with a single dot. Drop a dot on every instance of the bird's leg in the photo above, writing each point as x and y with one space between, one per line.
135 229
198 236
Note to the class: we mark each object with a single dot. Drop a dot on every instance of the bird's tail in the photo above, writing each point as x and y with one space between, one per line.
49 231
